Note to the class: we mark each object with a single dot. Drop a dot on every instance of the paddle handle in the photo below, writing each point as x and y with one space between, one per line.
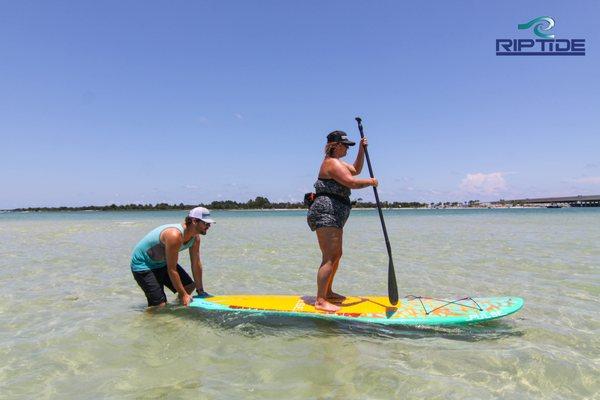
392 285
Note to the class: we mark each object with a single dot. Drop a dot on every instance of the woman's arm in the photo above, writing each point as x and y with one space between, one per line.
339 171
360 157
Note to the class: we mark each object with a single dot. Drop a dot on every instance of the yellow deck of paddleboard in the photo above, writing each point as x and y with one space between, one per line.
352 305
372 309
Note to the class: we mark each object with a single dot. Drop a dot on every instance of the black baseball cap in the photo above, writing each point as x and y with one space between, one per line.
339 137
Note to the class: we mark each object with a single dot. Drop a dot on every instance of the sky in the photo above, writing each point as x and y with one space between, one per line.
194 101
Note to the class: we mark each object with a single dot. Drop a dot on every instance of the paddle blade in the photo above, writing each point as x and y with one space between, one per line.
392 286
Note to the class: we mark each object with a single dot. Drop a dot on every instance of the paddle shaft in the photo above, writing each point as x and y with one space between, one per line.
392 286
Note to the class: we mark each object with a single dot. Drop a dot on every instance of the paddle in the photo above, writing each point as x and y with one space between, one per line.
392 287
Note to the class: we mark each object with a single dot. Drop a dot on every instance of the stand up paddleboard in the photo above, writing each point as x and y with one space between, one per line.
410 311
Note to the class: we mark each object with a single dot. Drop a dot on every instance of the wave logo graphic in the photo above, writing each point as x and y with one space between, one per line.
540 24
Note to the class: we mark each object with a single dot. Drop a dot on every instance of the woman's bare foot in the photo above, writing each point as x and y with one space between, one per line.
323 305
332 296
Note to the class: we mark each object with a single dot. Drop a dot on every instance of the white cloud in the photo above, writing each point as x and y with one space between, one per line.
590 180
486 184
238 116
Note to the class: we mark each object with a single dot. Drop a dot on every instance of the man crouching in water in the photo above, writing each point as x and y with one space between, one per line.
154 262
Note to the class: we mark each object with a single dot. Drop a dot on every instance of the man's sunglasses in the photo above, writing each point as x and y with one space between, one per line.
205 223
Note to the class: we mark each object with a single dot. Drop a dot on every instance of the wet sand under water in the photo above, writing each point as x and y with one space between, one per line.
73 322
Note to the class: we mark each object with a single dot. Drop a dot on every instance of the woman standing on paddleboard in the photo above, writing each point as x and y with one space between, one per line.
330 209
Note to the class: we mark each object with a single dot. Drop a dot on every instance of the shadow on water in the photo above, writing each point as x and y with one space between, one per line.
253 325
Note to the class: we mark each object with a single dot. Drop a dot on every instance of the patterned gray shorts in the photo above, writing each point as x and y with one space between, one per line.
327 212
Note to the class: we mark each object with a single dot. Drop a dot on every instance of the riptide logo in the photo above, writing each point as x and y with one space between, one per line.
547 45
538 26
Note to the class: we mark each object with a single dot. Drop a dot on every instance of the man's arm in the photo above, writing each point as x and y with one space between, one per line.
196 265
173 240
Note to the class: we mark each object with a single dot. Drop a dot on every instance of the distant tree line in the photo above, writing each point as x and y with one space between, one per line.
454 204
259 203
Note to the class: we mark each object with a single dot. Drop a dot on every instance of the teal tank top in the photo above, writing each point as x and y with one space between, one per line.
149 253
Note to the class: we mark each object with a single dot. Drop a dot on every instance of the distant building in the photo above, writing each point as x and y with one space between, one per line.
570 201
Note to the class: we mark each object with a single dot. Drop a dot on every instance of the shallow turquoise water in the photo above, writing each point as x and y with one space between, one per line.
73 322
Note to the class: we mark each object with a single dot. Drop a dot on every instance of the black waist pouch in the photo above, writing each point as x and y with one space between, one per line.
309 198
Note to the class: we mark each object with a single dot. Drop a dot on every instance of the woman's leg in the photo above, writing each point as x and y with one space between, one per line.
331 295
330 242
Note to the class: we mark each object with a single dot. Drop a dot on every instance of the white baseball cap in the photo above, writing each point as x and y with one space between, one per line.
202 214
